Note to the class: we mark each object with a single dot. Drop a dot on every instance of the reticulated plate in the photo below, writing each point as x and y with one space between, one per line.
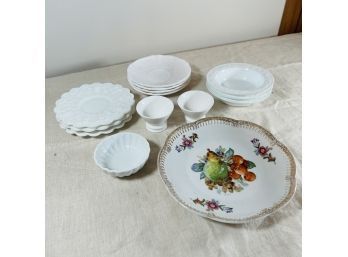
93 105
227 170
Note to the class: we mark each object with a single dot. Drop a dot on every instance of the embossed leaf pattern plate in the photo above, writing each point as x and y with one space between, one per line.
93 105
227 170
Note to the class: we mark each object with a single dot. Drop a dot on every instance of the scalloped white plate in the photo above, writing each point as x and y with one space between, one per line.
93 105
96 129
227 170
98 132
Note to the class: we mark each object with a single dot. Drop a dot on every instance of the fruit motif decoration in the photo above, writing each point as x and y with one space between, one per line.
224 171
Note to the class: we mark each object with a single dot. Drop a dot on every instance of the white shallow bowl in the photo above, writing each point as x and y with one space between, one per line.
155 110
195 104
122 154
159 70
239 102
256 173
240 79
237 97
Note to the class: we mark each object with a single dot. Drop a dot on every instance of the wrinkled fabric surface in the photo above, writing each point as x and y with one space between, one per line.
89 213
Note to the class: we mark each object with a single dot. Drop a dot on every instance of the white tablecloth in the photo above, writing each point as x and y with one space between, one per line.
89 213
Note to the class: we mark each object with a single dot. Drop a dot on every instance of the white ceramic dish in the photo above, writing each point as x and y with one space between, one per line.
155 110
98 132
238 97
237 102
122 154
159 70
233 102
94 105
227 170
241 104
104 127
158 88
240 79
195 104
169 92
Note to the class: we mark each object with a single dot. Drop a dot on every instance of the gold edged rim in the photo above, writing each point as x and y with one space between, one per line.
236 123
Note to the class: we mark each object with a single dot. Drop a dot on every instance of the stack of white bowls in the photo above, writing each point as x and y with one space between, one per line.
94 109
159 75
240 84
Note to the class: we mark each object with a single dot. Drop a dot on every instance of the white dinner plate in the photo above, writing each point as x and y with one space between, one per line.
227 170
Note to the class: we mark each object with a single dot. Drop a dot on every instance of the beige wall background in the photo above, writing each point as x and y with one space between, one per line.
86 34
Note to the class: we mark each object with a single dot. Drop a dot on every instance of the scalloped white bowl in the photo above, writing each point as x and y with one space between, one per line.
122 154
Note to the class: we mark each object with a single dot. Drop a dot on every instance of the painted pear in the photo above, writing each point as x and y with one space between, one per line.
215 169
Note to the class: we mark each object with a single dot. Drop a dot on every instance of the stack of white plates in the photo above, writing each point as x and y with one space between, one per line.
94 109
240 84
159 75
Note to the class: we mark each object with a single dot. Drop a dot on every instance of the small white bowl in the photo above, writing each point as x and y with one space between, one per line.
122 154
155 110
195 104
